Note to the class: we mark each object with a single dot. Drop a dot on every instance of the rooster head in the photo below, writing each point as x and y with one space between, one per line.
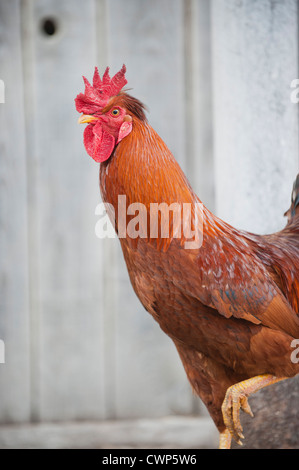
108 121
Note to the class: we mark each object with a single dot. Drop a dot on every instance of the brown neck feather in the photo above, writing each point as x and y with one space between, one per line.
144 170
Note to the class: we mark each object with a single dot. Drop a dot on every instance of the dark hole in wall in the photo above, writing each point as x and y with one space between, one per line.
49 26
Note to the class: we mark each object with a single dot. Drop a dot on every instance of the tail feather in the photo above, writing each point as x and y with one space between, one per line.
293 211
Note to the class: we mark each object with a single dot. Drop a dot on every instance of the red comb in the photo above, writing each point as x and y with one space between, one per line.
98 94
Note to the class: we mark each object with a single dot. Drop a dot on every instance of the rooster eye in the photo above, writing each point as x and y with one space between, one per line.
115 112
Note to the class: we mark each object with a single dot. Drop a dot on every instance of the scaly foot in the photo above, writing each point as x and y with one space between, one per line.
234 401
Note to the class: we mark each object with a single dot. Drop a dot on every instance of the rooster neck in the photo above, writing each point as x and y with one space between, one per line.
144 170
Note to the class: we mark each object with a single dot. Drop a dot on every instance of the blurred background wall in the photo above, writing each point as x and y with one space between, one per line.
215 76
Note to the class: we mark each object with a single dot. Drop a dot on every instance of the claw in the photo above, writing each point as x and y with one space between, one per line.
246 407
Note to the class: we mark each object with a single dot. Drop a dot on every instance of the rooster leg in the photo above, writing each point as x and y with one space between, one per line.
225 439
236 399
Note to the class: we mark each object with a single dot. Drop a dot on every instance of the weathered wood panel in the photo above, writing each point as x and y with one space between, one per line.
14 317
69 254
255 59
198 99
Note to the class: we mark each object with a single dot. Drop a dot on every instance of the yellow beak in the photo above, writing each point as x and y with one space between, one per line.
86 118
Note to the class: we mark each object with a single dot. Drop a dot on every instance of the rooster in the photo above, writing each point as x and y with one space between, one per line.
230 303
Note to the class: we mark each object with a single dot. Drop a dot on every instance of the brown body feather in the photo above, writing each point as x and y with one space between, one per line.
230 306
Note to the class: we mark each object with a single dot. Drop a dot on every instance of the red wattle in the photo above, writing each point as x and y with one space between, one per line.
98 143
